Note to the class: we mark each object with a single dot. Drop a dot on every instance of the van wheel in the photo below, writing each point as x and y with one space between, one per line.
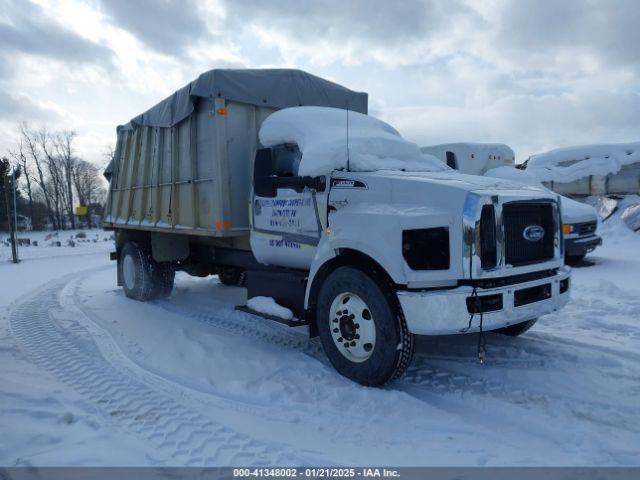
231 276
517 329
142 277
362 330
573 259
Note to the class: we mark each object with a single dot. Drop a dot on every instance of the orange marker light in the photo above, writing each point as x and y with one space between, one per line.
226 224
566 228
221 111
218 225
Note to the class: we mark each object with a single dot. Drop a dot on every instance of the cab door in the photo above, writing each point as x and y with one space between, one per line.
288 212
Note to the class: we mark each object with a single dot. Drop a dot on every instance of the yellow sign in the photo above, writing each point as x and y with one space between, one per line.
80 211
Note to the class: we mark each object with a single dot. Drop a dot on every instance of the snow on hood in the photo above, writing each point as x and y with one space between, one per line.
564 165
514 174
321 135
572 211
470 183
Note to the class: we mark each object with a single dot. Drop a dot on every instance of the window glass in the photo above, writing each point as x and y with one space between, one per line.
286 160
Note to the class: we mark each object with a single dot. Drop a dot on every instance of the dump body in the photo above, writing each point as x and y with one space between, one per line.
185 165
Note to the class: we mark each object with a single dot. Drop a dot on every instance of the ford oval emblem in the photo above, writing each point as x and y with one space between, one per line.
533 233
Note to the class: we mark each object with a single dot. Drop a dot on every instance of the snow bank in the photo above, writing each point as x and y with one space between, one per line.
321 135
564 165
49 244
617 212
268 306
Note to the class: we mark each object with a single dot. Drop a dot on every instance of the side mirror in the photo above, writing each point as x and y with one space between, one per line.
263 184
264 187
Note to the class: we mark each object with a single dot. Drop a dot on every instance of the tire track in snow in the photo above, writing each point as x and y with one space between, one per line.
181 435
427 377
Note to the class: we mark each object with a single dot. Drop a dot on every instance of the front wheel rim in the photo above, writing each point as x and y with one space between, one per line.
352 327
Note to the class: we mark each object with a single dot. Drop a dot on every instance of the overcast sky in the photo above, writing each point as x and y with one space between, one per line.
533 74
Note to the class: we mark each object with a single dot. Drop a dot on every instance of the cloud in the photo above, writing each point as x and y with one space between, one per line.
167 26
27 29
530 124
356 31
533 74
586 35
17 107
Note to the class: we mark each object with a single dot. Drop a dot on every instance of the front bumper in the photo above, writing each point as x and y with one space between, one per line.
445 312
577 246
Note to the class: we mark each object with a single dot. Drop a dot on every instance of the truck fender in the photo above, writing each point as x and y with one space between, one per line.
330 248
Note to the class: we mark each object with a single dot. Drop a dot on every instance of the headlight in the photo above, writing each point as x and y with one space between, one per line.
567 228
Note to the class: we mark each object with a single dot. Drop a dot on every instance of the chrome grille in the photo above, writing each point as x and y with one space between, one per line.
517 217
586 228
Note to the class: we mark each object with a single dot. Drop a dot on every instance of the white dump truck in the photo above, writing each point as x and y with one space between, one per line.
278 180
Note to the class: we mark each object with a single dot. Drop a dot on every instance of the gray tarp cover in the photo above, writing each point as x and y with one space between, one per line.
278 88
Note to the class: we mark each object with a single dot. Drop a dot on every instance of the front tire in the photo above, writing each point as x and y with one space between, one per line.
362 329
143 278
517 329
574 259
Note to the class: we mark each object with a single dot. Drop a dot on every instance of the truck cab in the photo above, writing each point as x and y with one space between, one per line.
449 253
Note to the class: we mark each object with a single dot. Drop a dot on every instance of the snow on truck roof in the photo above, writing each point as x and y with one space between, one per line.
564 165
275 87
321 135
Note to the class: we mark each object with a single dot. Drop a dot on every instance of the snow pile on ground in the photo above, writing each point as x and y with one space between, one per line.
90 377
564 165
45 244
623 211
321 135
268 306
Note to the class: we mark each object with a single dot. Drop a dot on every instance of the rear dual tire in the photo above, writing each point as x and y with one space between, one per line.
232 276
362 329
142 277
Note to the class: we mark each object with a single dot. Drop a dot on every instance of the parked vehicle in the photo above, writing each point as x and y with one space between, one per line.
579 220
472 158
601 169
23 223
364 239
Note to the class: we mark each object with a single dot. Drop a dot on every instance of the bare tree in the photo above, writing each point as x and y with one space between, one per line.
32 150
63 142
20 158
89 185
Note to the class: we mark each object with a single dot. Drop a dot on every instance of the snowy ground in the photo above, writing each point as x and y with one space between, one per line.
88 377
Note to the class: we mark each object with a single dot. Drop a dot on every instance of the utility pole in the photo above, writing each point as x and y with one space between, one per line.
12 225
15 215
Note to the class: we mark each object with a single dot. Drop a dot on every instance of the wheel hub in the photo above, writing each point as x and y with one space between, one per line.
348 327
352 327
